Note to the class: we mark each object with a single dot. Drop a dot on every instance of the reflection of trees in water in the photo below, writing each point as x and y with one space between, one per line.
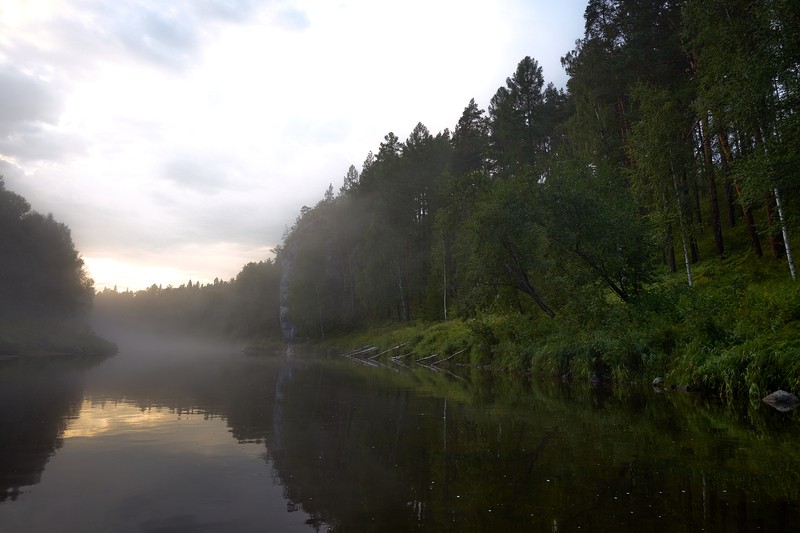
326 455
37 399
361 454
413 450
225 384
361 447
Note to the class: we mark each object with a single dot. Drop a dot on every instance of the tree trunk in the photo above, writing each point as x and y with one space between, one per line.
683 232
729 189
531 290
444 278
692 202
785 231
517 272
402 306
696 198
775 236
755 242
711 184
669 251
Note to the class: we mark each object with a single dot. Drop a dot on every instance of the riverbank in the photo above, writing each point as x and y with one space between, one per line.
51 339
735 333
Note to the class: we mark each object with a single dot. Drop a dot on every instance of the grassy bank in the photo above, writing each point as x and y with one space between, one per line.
42 338
736 333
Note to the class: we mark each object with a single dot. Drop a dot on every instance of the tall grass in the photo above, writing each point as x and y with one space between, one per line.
736 333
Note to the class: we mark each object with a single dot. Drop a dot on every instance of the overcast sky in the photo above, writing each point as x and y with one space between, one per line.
179 138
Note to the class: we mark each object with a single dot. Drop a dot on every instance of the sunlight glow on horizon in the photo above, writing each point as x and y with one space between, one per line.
109 273
225 261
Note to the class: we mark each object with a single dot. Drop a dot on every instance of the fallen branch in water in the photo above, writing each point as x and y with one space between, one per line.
360 351
366 362
429 367
389 350
396 360
448 358
351 352
426 358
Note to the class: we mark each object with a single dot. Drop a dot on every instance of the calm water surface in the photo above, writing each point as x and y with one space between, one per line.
170 436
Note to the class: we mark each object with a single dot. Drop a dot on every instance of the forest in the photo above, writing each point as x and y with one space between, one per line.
45 291
639 222
244 308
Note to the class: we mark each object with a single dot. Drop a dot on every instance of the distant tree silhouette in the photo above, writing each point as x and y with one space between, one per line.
41 273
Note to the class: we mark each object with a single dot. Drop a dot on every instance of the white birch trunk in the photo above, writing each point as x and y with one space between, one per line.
683 232
785 232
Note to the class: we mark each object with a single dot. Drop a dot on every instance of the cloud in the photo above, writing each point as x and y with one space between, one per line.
12 175
27 101
227 10
197 173
245 216
35 144
85 35
166 37
172 35
291 18
169 133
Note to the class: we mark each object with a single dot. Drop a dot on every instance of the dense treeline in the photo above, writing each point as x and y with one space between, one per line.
45 291
676 134
41 273
243 308
639 220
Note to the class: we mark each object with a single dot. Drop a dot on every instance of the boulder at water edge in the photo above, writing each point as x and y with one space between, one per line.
781 400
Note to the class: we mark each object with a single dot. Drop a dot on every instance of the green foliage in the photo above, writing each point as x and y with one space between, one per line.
444 339
595 232
741 335
45 291
41 273
536 226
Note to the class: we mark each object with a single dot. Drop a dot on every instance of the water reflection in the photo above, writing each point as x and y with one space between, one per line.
165 437
170 437
421 450
97 418
37 400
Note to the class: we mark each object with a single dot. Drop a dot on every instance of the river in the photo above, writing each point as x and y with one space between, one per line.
172 436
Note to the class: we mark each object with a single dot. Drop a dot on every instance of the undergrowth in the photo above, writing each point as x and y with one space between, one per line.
735 333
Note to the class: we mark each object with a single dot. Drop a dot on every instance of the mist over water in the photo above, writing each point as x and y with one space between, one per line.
188 434
168 435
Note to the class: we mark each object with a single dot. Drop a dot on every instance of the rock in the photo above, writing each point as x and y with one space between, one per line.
658 382
781 400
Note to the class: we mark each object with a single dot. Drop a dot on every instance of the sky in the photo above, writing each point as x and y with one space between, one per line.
179 139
